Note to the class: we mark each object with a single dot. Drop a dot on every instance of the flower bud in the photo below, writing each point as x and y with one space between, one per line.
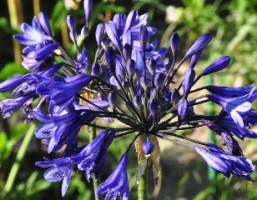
217 65
188 81
143 37
148 147
130 20
137 102
174 43
199 45
84 32
110 58
112 99
182 109
153 107
194 59
96 69
175 96
88 9
71 23
159 79
131 67
143 82
99 34
151 65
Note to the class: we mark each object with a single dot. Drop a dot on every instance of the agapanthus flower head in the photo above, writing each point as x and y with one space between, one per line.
130 81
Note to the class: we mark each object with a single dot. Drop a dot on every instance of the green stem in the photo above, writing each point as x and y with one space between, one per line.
18 161
143 185
95 185
92 131
212 174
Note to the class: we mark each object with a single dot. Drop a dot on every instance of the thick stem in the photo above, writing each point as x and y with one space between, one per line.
143 185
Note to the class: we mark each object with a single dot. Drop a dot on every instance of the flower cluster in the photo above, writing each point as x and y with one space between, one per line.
129 80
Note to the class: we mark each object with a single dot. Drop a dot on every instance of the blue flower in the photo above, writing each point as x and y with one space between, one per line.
116 185
235 106
59 170
82 61
65 90
61 129
39 41
227 138
225 162
230 91
90 158
93 156
214 161
13 83
10 105
35 35
227 123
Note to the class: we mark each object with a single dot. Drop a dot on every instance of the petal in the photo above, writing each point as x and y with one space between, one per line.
237 118
244 107
130 20
66 181
45 23
12 83
46 51
213 161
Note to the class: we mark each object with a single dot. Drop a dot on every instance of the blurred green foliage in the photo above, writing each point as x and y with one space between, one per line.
233 24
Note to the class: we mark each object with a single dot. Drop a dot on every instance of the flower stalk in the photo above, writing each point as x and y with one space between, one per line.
143 184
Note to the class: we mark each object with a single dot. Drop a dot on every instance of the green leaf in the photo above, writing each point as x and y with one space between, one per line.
11 69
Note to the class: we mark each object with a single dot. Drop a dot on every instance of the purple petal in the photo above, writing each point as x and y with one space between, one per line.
66 182
45 23
11 83
213 161
130 20
237 118
46 51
